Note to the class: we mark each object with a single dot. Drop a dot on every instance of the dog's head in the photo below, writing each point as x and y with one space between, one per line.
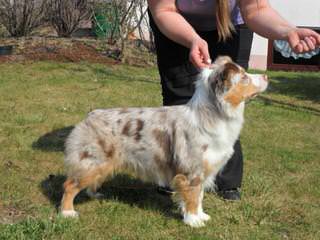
231 84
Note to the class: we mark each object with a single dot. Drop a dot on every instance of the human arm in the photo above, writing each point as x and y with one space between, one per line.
173 25
264 20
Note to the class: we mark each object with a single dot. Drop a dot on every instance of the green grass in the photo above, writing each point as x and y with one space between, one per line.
40 102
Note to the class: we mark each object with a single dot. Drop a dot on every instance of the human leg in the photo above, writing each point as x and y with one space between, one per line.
177 74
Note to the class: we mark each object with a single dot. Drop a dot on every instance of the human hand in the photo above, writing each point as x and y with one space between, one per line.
303 40
199 53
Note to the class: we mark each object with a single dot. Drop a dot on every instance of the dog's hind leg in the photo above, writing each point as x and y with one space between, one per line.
72 187
92 190
190 196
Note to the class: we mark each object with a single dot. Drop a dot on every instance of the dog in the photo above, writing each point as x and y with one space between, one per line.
181 146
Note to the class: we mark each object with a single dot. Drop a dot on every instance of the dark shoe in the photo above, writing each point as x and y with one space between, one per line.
165 190
230 195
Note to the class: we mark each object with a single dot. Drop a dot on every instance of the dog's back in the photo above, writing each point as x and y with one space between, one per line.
150 141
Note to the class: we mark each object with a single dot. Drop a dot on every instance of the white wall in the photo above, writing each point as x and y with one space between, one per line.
298 12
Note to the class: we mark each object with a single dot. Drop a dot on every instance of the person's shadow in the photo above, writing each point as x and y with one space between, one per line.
122 187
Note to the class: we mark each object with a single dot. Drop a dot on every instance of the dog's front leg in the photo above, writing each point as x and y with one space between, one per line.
201 213
190 194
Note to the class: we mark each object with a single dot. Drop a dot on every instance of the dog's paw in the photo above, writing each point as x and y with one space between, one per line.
193 220
94 195
69 214
203 216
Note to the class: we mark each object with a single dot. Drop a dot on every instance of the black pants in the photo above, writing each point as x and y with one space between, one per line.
178 76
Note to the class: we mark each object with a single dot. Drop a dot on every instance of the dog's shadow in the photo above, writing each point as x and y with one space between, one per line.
53 141
122 188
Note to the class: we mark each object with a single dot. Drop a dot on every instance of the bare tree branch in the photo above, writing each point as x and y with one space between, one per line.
66 15
20 17
124 17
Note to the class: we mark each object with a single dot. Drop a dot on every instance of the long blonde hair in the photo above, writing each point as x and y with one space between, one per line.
223 19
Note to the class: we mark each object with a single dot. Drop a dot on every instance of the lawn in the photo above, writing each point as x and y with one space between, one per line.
40 102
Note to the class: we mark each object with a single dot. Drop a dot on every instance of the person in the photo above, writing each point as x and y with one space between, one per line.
189 33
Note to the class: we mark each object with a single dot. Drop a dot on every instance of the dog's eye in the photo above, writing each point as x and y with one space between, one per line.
245 80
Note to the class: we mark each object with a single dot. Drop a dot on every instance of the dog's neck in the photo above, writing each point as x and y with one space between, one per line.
213 104
208 109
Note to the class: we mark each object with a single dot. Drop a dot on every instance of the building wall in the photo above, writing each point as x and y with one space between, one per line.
300 13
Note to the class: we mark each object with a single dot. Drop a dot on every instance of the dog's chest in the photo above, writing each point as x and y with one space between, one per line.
220 143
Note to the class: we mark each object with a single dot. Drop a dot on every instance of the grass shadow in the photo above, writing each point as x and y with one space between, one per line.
288 106
297 85
106 73
121 187
53 141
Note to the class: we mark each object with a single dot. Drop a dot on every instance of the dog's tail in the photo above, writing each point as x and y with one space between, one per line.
82 152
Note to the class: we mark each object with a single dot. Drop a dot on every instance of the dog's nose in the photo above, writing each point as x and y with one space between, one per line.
265 77
264 82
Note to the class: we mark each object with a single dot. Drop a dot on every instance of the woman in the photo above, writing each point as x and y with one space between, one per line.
189 33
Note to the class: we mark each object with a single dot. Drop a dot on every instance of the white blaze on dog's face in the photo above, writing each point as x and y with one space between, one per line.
238 85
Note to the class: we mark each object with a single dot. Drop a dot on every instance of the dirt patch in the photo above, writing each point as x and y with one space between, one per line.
71 50
10 214
61 50
77 52
5 59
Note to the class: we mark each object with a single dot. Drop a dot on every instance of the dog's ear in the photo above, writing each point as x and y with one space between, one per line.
230 69
222 77
226 69
229 78
213 66
222 60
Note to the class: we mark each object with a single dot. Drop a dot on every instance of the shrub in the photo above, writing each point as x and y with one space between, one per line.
66 15
119 19
20 17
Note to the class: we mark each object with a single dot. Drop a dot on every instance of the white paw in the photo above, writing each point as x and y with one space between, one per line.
95 195
69 214
193 220
204 217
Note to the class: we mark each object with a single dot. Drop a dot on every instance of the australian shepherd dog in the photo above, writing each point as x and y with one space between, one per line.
181 146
